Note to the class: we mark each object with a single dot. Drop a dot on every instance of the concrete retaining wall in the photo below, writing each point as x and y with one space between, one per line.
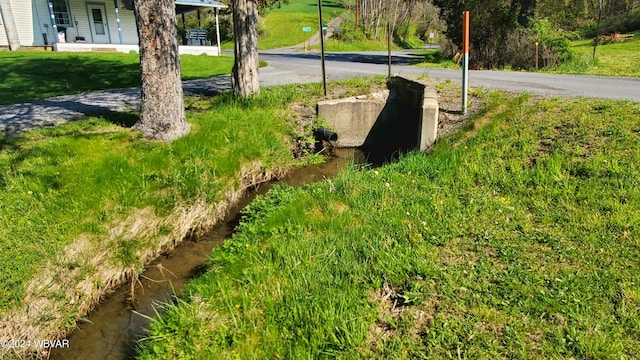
404 118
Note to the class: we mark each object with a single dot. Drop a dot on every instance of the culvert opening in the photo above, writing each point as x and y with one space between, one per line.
388 123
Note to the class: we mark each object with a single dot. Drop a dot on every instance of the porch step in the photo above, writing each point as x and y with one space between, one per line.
104 49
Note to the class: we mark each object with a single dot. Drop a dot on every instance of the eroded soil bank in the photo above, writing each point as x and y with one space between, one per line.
114 326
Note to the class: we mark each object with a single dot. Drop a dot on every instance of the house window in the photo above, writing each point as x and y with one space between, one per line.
61 12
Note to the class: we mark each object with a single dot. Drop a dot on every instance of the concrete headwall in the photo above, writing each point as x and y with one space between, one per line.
404 118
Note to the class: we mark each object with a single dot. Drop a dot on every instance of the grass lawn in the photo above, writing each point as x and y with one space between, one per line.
283 26
516 238
617 59
433 59
34 75
78 179
84 203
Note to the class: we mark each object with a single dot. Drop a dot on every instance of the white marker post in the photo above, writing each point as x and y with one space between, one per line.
465 61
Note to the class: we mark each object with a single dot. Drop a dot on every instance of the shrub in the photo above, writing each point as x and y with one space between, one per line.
554 42
406 36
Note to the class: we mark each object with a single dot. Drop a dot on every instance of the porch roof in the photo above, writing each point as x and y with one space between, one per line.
189 5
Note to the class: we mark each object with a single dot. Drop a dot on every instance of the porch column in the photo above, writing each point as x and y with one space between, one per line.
115 4
218 33
10 27
54 26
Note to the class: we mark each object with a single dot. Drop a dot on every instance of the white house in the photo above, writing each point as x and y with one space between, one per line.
94 25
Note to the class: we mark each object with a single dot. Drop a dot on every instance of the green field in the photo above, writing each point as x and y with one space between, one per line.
616 59
515 238
283 26
34 75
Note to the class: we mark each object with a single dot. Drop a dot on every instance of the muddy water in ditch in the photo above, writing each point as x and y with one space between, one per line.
113 328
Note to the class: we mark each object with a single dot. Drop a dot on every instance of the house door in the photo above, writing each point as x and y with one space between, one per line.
98 23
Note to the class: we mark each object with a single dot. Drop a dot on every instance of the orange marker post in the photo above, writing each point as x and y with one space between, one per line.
465 61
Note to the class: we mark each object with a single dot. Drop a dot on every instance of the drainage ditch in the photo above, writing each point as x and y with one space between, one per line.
112 329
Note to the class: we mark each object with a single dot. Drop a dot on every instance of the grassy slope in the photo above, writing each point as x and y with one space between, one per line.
84 177
515 239
284 25
618 59
31 75
88 200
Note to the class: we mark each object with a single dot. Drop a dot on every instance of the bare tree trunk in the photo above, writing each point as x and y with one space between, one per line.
244 79
161 107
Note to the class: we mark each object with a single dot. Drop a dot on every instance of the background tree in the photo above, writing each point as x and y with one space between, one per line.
161 107
244 78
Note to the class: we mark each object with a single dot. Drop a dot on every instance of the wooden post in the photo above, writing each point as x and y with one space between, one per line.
389 49
537 52
465 61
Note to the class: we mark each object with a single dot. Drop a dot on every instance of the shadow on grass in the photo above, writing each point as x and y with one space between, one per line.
39 75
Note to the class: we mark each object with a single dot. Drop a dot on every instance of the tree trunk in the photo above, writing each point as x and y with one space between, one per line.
527 10
244 79
161 106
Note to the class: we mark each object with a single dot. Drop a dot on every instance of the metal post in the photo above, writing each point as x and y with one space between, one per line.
54 26
115 3
324 77
537 54
465 63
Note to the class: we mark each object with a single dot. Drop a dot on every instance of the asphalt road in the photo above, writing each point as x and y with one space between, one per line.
296 66
284 66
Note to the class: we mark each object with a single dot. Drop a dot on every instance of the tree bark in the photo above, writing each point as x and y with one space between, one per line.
161 106
527 10
244 79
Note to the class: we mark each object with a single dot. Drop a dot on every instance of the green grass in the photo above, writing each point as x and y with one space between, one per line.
517 238
81 177
433 59
32 75
73 198
283 27
616 59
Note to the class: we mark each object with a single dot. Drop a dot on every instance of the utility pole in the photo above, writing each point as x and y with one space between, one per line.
388 48
9 25
324 76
